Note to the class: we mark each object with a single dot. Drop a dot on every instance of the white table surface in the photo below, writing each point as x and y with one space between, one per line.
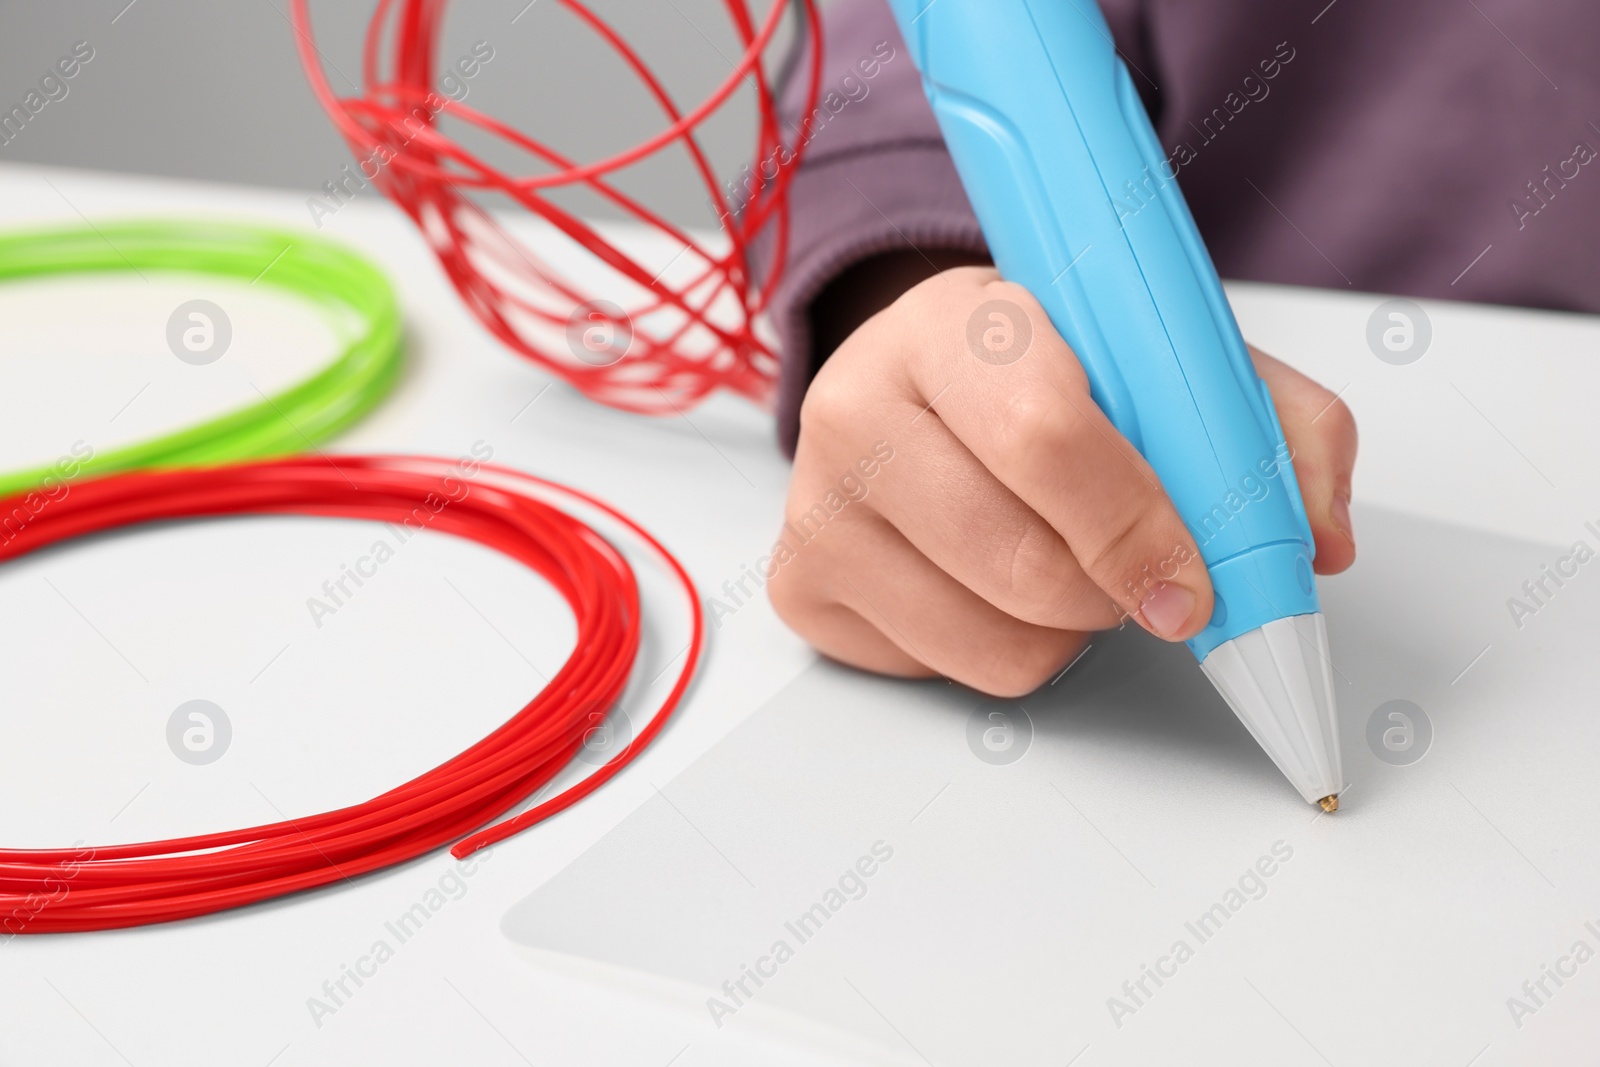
1492 429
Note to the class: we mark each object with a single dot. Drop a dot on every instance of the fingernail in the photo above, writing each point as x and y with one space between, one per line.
1341 517
1167 609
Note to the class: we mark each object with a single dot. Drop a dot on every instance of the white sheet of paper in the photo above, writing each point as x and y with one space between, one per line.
1140 817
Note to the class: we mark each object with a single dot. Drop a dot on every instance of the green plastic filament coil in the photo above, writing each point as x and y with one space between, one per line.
353 293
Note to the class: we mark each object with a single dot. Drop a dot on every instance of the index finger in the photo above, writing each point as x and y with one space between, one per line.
1012 391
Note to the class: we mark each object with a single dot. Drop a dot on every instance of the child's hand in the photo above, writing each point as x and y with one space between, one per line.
1011 519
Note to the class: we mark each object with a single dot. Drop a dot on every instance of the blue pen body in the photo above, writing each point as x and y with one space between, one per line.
1079 205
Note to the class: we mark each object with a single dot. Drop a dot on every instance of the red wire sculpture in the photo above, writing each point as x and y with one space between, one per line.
675 342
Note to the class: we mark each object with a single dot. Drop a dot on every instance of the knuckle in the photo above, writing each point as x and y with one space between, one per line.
787 595
995 287
1338 424
798 593
1038 587
829 405
1036 418
1323 415
1026 664
911 303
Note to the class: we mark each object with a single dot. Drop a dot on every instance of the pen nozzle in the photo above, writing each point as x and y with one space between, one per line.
1278 679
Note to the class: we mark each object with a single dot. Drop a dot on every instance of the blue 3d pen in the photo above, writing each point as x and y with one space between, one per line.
1079 206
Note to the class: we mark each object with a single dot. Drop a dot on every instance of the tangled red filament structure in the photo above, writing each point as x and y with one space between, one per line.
677 340
102 887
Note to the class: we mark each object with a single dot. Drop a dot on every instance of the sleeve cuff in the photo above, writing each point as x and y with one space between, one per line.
869 207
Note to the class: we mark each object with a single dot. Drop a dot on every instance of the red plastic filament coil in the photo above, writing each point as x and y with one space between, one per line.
102 887
677 340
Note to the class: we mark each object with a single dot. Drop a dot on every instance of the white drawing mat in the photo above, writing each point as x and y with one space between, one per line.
967 910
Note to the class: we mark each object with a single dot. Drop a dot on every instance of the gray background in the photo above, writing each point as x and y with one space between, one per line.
201 89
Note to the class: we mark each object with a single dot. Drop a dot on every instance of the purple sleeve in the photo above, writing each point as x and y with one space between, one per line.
875 177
